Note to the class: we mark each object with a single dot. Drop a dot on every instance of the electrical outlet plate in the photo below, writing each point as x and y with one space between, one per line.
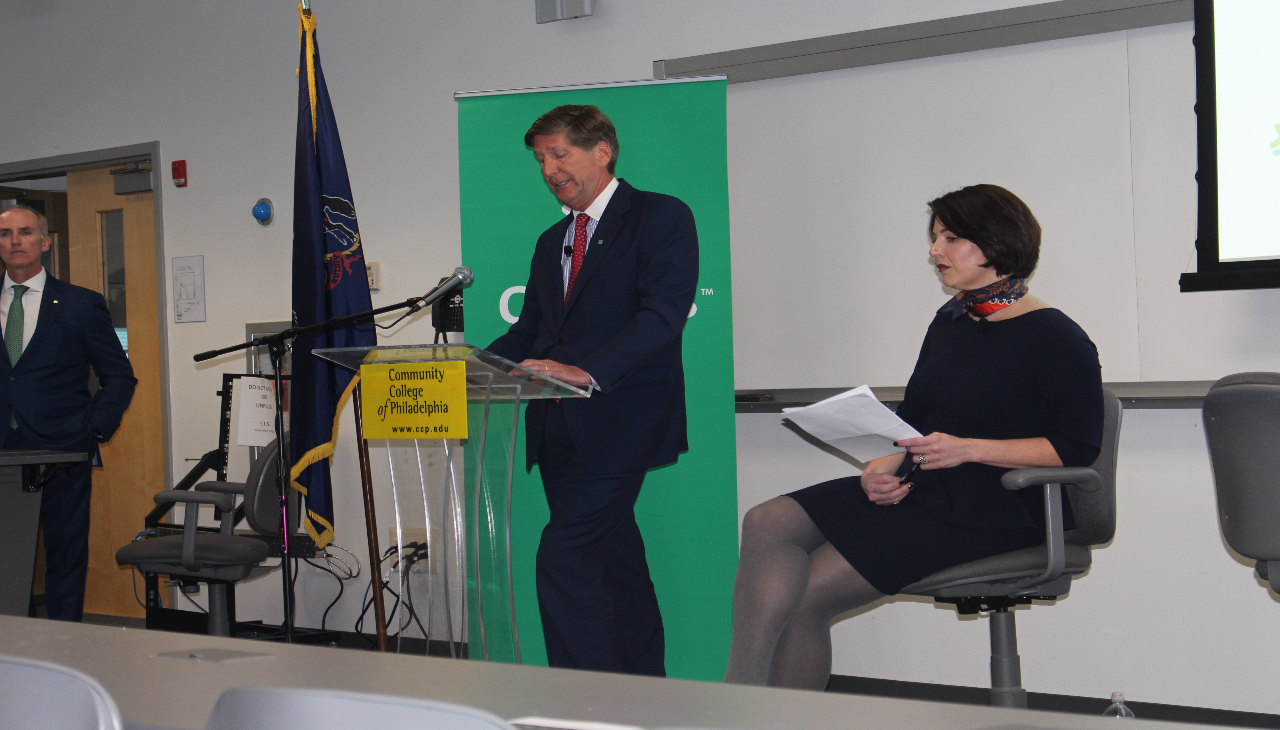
418 535
374 270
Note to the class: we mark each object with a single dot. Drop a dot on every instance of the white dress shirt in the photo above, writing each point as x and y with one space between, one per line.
593 213
30 303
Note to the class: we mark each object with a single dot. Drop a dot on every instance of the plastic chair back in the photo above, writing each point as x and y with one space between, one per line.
282 708
39 694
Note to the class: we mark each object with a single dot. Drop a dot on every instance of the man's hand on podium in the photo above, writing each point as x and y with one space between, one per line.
564 373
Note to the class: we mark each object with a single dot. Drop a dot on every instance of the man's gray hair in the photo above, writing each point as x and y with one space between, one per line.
44 222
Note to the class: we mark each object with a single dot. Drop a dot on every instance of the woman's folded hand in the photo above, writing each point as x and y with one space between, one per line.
882 488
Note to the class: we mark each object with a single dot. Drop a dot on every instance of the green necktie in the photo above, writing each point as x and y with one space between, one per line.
13 333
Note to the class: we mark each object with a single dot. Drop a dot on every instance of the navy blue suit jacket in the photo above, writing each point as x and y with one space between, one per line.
622 324
47 391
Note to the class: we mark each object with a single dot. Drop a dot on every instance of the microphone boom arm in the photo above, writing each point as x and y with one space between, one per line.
461 275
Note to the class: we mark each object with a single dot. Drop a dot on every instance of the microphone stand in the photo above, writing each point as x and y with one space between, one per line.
277 344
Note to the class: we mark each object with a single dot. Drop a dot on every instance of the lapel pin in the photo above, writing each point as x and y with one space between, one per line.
600 242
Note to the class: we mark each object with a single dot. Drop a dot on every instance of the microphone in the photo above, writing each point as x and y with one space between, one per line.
568 250
461 275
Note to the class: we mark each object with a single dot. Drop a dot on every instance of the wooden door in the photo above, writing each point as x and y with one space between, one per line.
105 230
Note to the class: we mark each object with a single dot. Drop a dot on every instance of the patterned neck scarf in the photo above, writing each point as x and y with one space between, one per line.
987 300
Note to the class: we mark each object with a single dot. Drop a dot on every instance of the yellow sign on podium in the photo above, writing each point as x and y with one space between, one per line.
417 400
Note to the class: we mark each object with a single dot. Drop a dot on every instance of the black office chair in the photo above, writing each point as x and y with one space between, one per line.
999 583
220 558
1242 426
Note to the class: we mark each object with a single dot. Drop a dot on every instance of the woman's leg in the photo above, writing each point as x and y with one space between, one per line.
802 658
773 573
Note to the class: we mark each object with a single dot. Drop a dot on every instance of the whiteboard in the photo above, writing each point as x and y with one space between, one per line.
830 175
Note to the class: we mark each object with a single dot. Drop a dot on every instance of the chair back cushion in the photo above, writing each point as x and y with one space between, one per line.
282 708
1095 512
39 694
261 499
1242 426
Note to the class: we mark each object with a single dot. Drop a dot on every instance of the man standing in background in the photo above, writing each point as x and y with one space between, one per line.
53 332
610 288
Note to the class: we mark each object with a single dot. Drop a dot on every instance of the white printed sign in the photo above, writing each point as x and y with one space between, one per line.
188 289
257 417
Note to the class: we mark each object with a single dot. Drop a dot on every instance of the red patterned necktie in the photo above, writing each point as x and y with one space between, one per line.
579 250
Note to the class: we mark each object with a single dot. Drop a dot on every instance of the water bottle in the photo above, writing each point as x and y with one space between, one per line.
1118 707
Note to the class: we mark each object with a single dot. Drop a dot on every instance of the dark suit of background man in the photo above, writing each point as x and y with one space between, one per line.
614 324
53 332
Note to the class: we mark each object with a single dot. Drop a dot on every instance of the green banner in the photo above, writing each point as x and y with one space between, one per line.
672 140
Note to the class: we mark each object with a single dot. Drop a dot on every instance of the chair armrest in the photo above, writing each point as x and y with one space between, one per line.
221 487
1052 478
1085 478
191 519
1054 534
223 502
228 488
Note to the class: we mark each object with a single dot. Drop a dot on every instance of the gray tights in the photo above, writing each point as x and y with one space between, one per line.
790 584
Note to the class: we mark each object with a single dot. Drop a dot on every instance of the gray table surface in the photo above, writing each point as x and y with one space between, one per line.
169 692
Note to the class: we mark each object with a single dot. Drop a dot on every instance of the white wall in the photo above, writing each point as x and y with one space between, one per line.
829 206
214 84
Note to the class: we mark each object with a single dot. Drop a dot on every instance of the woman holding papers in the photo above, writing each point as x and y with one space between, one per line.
1003 381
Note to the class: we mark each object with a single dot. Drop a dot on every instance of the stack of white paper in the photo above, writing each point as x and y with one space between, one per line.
856 422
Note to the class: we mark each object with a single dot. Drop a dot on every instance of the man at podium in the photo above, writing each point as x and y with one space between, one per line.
610 288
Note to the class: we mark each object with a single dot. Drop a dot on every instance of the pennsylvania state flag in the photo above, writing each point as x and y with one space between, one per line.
328 281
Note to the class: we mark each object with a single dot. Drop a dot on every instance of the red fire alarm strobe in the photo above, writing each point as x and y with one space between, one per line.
180 173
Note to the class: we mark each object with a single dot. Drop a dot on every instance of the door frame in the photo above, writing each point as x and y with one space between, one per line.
143 152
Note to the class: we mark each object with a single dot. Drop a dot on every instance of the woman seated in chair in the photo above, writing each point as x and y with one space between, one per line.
1003 381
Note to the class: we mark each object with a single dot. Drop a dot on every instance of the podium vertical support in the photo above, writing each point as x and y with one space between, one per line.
511 467
371 525
475 519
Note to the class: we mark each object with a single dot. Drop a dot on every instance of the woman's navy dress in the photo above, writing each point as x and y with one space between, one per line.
1036 374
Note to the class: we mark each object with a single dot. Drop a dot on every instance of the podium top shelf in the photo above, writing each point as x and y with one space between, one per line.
501 378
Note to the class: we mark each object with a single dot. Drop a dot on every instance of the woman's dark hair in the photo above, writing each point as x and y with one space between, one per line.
997 222
583 126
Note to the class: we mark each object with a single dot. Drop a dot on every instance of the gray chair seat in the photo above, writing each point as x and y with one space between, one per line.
212 550
1019 564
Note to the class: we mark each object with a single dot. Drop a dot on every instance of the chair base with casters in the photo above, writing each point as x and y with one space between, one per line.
997 584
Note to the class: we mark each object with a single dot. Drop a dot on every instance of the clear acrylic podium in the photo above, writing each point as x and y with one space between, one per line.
464 521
